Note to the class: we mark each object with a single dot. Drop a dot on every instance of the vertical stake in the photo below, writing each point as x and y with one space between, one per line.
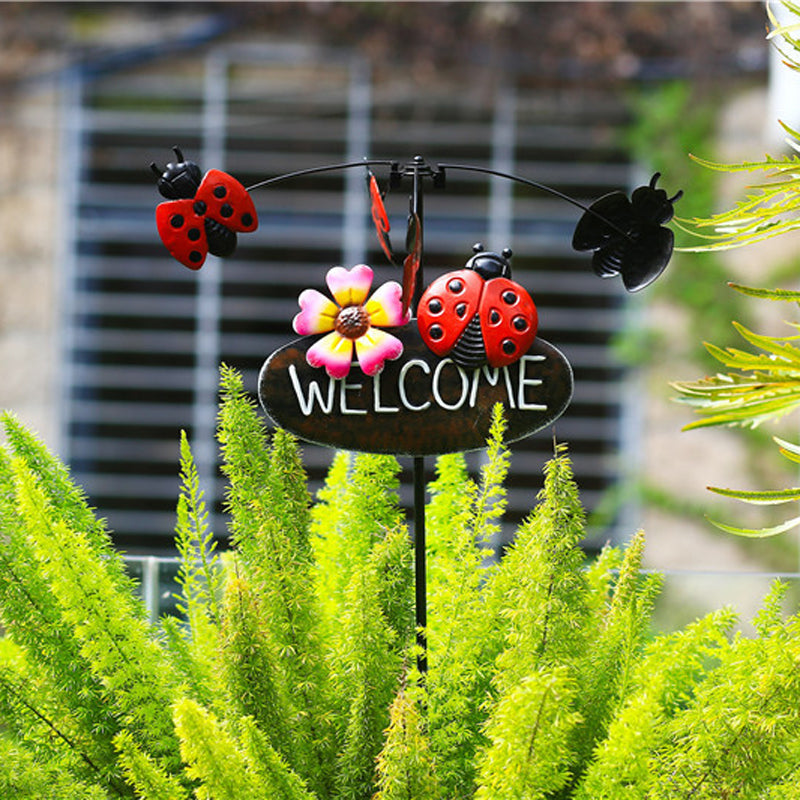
420 562
420 555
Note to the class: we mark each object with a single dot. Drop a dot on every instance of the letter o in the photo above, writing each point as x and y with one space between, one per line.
464 385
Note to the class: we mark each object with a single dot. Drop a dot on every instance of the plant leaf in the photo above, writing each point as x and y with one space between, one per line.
757 533
764 498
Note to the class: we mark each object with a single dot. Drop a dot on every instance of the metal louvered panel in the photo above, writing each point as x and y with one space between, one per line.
144 336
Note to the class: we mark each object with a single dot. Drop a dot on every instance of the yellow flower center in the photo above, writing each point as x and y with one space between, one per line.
352 322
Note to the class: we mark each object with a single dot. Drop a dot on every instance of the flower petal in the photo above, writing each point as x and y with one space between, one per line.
350 287
317 313
374 348
385 307
333 352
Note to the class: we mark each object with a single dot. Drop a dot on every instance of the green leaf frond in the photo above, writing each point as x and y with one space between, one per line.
26 776
539 589
662 682
251 666
199 571
545 680
38 634
145 775
67 499
214 757
368 669
355 509
462 636
112 634
770 209
765 385
529 730
491 500
738 732
405 764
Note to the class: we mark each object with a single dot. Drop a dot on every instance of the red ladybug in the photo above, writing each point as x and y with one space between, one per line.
478 315
202 216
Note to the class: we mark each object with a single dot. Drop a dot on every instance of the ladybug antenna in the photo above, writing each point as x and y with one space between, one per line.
654 180
507 253
676 196
178 153
477 247
156 169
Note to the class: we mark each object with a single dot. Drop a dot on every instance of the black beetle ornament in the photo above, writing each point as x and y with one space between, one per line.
478 315
203 214
628 236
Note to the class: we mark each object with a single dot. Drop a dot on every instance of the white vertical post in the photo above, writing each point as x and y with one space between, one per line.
354 232
208 313
784 84
501 191
71 166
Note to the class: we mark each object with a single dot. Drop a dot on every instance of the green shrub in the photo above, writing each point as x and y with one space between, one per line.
291 674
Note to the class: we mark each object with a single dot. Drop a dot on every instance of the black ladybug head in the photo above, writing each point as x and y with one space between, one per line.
652 205
179 179
490 265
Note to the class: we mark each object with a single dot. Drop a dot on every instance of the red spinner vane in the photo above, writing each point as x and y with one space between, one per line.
202 215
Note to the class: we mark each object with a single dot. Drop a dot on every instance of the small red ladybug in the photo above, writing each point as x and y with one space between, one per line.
478 315
202 216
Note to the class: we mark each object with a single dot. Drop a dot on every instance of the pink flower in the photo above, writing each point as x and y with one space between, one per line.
351 321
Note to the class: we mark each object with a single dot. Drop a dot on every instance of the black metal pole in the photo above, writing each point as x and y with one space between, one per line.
420 555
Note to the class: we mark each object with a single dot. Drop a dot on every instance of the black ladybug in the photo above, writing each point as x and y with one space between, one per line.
628 236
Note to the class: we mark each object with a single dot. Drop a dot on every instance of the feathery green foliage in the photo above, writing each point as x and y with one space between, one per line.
771 206
291 676
764 385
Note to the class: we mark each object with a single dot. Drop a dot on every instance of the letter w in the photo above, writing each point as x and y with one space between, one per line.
314 394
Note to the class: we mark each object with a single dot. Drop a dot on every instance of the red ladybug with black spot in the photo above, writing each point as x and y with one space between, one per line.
203 215
478 315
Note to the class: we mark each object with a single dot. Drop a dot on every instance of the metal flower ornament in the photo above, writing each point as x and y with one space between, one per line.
353 322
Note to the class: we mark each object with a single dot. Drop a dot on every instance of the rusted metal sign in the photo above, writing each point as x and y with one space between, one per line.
419 404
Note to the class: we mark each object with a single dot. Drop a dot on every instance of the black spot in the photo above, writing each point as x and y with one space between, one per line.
509 347
456 286
494 316
193 234
247 220
435 332
195 256
226 210
435 306
509 297
520 323
461 310
220 191
199 208
176 220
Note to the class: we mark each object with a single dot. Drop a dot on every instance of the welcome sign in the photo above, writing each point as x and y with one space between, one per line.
419 404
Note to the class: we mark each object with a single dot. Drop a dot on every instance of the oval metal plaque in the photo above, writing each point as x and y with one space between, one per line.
419 404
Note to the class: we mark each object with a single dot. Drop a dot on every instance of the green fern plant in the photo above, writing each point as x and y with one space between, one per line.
291 673
771 206
763 383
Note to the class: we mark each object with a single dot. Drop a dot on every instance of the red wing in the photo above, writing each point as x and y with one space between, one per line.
446 308
412 260
509 321
183 232
227 201
379 216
